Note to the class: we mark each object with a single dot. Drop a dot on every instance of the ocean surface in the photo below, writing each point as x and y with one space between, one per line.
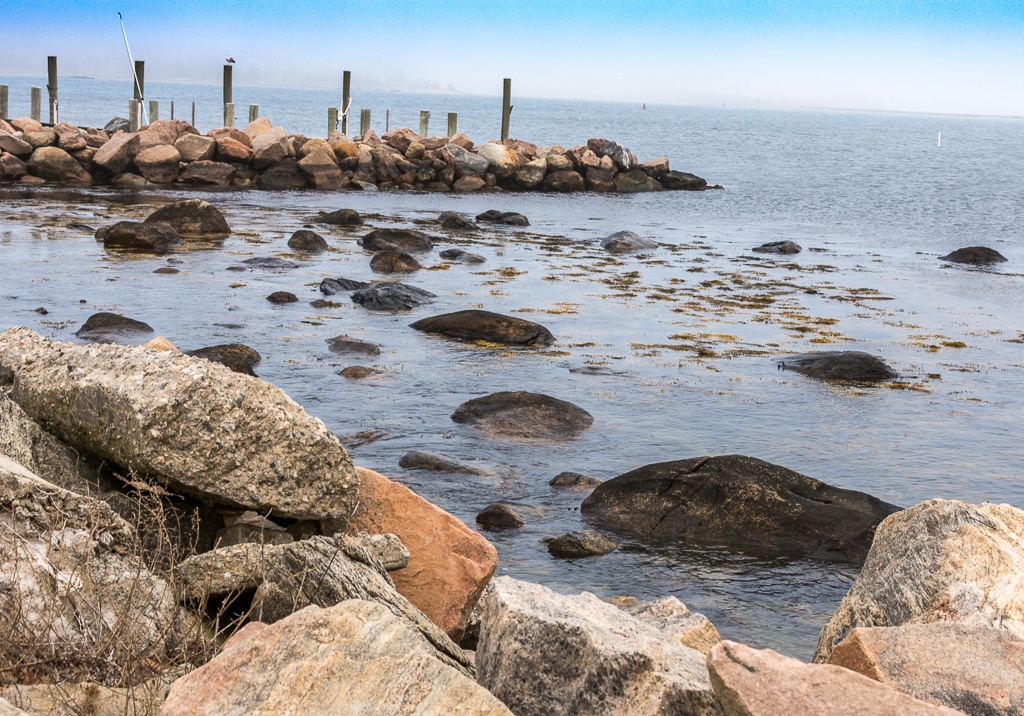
682 341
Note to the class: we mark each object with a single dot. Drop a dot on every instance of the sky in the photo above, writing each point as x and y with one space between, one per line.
938 56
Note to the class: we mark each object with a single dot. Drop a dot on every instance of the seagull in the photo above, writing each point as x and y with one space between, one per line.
229 59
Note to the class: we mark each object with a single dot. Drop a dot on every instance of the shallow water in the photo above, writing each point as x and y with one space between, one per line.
688 333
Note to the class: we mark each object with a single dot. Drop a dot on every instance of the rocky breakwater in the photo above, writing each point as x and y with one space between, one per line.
175 153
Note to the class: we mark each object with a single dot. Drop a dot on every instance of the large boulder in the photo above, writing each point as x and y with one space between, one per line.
14 145
269 148
682 181
531 174
478 325
116 154
204 172
196 147
501 160
974 255
139 236
11 168
321 167
284 174
281 579
624 159
521 414
752 682
626 241
635 181
159 164
741 502
396 240
391 261
355 657
974 669
449 564
941 560
192 217
69 137
392 296
184 422
466 162
107 327
307 240
400 138
672 618
547 654
842 366
564 181
56 165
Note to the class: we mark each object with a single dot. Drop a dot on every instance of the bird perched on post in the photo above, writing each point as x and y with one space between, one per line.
229 59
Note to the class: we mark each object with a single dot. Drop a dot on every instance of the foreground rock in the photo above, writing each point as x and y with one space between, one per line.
477 325
306 240
192 218
142 410
975 256
331 286
396 240
7 709
582 543
544 653
449 564
843 366
784 248
525 415
355 656
107 327
941 560
626 241
392 296
671 617
88 698
751 682
239 357
740 502
974 669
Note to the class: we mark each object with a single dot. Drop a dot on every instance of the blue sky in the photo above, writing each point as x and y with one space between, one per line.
940 56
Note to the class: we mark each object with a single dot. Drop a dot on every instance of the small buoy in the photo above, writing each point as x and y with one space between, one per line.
645 105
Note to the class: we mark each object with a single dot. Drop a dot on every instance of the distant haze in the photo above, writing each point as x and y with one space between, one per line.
938 56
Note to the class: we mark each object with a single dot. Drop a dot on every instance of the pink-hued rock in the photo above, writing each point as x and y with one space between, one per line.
269 148
207 173
11 168
54 164
14 145
232 151
752 682
26 124
195 147
401 138
117 153
258 126
69 137
321 166
461 140
236 134
655 168
159 164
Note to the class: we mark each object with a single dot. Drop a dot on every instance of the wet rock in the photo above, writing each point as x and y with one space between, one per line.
461 255
449 564
509 218
270 262
785 248
525 415
682 181
239 357
167 270
356 372
139 236
582 543
192 217
975 669
655 168
940 560
574 479
671 617
974 255
117 124
195 147
356 653
435 462
741 502
284 174
845 366
455 222
306 240
396 240
205 173
55 165
391 296
544 653
624 159
394 262
115 155
331 286
564 181
159 164
11 168
466 162
282 297
478 325
626 241
600 180
278 576
752 682
635 181
349 345
499 517
260 451
341 217
15 145
111 327
531 174
321 167
466 185
39 138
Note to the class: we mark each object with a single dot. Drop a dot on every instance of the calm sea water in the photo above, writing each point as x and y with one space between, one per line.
687 333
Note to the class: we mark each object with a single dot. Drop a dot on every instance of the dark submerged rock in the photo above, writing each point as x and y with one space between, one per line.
392 296
436 462
778 247
740 502
574 479
844 366
525 415
461 255
499 517
975 256
394 262
282 297
396 240
682 181
625 241
582 543
341 217
140 237
306 240
510 218
331 286
474 324
454 222
192 217
347 344
270 262
109 327
237 356
355 372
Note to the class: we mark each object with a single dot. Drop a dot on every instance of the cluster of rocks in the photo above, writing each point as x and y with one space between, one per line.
175 153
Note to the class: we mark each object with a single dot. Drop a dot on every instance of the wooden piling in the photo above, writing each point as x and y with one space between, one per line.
140 79
424 122
506 107
193 114
364 121
227 85
51 86
453 123
133 115
346 100
37 100
172 110
332 120
387 120
229 114
4 107
254 112
154 110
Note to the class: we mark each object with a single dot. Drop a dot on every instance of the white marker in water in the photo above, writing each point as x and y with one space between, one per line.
940 139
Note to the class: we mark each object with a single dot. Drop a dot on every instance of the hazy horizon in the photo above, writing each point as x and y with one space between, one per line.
936 57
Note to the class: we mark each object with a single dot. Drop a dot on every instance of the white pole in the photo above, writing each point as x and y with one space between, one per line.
940 139
132 62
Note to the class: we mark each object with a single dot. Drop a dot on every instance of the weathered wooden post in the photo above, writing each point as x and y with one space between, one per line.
140 79
424 122
154 110
332 120
51 86
227 85
387 120
254 112
453 123
506 107
364 121
172 110
193 113
133 115
4 108
37 100
346 100
229 114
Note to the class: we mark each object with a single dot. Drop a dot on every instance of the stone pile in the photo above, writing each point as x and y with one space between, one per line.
262 155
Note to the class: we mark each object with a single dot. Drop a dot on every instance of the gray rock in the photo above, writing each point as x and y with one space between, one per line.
525 415
143 410
251 527
582 543
117 124
468 163
436 462
623 158
974 255
682 181
477 325
454 222
111 328
394 262
270 262
574 479
386 549
117 153
392 296
635 181
341 217
461 255
331 286
843 366
349 345
625 241
499 517
778 247
306 240
509 218
139 237
192 217
195 147
281 297
239 357
545 654
396 240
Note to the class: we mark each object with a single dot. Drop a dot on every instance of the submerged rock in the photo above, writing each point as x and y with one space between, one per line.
306 240
778 247
270 262
436 462
392 296
192 217
239 357
974 255
511 218
845 366
394 262
281 297
574 479
625 241
106 327
462 255
477 325
499 517
682 181
331 286
138 236
396 240
582 543
341 217
525 415
348 344
741 502
455 222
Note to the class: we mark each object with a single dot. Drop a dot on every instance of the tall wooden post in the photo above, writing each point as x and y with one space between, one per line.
140 79
254 112
364 121
193 113
387 120
37 100
133 115
346 100
227 84
51 86
453 124
229 114
506 107
4 107
172 110
332 120
154 110
424 122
